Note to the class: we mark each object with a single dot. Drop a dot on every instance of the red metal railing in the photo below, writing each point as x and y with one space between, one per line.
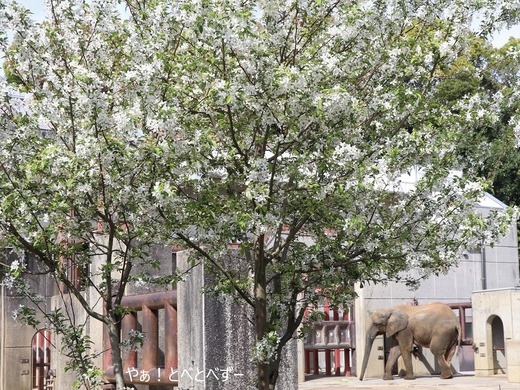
461 307
331 335
146 309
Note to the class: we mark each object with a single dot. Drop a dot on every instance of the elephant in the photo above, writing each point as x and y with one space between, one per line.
433 325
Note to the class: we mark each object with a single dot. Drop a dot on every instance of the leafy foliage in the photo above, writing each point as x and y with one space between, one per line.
494 72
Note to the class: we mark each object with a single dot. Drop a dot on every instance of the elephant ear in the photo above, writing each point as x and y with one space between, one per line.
397 321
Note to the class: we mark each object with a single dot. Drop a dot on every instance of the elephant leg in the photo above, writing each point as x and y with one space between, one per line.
450 352
407 359
444 358
395 352
446 372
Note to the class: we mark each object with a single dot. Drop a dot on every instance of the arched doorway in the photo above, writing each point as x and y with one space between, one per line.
42 378
496 327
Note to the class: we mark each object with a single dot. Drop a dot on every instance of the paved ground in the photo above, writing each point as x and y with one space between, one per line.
459 382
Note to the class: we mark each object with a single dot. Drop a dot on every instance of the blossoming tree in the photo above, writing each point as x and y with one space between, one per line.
281 130
80 151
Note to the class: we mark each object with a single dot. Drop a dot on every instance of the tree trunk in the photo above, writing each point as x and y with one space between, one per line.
260 330
261 311
274 372
114 336
270 371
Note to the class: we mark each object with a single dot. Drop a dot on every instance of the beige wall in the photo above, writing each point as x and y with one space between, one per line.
487 306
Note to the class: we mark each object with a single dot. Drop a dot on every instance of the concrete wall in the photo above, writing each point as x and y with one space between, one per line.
496 321
16 338
17 350
513 361
500 270
215 339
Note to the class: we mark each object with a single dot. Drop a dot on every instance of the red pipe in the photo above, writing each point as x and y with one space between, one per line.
107 360
129 354
149 304
347 362
307 355
151 332
153 301
170 336
462 317
347 315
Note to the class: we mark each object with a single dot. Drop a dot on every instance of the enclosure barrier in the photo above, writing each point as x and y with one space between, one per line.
144 318
328 336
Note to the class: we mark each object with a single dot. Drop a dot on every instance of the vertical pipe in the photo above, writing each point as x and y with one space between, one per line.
307 355
346 313
462 314
337 362
49 341
328 362
483 267
129 355
306 352
326 310
337 356
38 361
151 334
352 337
171 347
348 372
316 363
45 356
107 360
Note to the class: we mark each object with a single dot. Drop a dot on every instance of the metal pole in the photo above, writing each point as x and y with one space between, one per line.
483 267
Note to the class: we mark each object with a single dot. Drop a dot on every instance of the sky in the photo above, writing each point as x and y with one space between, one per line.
499 39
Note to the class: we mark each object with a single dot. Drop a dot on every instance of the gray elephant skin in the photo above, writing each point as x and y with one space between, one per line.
432 325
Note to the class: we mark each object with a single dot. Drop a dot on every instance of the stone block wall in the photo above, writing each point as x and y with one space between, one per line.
215 339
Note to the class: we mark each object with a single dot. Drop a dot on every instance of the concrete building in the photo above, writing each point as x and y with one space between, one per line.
25 353
496 332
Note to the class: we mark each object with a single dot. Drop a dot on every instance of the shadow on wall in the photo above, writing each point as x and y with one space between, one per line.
496 329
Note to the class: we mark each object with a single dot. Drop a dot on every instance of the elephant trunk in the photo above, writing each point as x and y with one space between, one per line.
368 347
